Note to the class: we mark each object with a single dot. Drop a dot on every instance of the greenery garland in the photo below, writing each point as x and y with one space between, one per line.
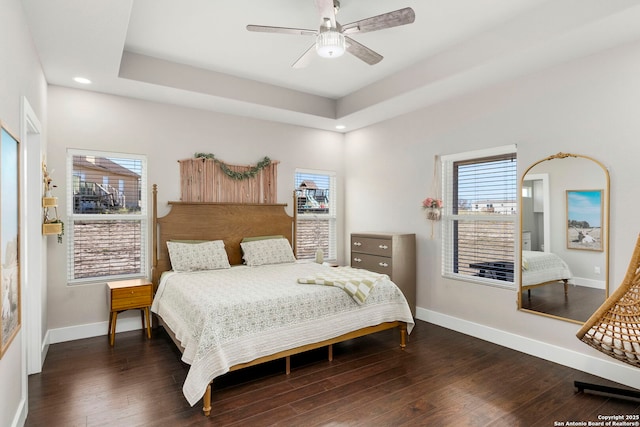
238 176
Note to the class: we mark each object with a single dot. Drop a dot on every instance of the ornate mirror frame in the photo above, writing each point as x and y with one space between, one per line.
574 166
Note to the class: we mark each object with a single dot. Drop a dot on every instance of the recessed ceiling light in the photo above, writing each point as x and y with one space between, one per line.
340 127
82 80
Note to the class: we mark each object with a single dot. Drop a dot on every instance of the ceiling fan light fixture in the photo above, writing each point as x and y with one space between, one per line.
330 44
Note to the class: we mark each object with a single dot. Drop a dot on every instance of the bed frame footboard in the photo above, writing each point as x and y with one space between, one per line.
564 281
402 326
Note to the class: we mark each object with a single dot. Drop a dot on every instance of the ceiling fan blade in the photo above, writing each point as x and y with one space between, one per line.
281 30
305 58
380 22
326 11
362 52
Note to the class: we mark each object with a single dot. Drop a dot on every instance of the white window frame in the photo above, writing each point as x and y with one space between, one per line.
331 215
142 216
448 217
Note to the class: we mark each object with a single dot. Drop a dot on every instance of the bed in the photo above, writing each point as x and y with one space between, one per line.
543 268
227 317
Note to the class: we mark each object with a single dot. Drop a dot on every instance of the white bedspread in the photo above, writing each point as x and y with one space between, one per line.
539 267
227 317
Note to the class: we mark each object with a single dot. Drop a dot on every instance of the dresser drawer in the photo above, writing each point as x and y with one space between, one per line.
378 264
133 297
371 245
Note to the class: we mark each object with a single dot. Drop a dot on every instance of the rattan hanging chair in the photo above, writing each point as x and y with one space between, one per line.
614 328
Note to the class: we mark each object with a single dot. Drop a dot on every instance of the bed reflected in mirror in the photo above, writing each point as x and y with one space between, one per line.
564 245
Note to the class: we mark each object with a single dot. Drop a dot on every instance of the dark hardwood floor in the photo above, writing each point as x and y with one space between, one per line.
579 303
443 378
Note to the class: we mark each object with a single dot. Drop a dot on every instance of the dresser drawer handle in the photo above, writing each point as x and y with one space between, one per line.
357 260
357 244
383 264
383 246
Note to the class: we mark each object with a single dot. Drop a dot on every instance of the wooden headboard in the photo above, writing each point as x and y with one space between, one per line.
230 222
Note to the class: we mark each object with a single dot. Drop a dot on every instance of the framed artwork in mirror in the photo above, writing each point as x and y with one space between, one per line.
584 220
9 233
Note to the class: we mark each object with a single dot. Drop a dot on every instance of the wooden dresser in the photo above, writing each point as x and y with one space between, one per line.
393 254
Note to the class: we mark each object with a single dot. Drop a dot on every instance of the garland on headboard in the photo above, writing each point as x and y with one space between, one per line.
238 176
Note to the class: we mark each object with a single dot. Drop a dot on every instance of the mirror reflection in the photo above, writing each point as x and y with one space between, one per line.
564 243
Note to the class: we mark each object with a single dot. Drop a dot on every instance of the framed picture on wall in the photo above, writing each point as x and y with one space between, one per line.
584 220
9 233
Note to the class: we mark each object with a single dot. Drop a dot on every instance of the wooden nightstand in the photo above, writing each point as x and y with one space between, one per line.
129 295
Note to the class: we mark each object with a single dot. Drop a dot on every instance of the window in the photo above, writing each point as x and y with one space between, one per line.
479 216
107 216
316 225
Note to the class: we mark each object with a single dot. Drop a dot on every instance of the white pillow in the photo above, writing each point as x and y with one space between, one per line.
269 251
198 256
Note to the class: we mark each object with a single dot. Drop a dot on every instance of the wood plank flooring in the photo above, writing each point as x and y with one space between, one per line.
580 303
443 378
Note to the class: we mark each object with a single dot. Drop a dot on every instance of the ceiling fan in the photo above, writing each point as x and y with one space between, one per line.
332 39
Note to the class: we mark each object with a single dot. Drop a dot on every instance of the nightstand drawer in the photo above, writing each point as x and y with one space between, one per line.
133 297
378 264
369 245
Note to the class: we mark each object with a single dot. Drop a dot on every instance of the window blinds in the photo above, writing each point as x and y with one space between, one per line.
316 204
479 217
107 215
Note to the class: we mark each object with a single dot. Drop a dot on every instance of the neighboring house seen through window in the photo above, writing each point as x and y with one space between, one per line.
316 225
479 217
107 215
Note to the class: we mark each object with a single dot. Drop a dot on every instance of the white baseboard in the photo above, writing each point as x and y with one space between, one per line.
609 369
588 283
92 330
21 415
45 348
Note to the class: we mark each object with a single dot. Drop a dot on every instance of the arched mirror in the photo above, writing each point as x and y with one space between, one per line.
564 224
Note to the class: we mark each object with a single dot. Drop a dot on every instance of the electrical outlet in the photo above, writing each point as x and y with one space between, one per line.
596 270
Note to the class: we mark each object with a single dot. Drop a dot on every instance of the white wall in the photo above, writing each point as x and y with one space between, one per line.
589 106
165 134
20 76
